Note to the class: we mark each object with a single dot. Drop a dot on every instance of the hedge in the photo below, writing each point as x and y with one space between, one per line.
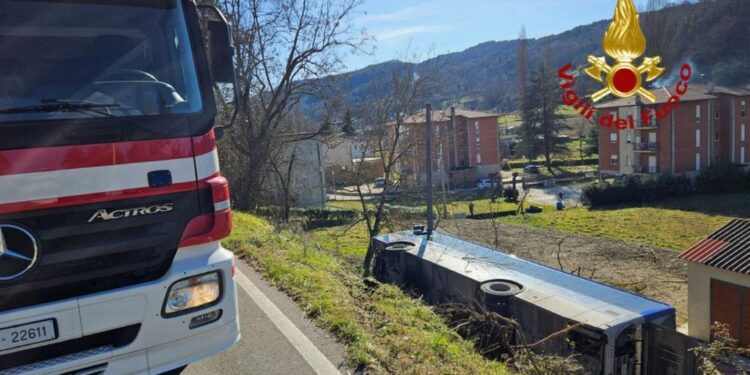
633 189
556 163
314 218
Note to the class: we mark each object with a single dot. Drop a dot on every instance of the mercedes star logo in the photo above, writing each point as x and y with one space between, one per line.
18 252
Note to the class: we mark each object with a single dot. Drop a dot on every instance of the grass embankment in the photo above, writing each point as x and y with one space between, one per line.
673 224
385 330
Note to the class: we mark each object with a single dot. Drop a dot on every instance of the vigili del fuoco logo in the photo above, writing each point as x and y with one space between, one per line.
625 43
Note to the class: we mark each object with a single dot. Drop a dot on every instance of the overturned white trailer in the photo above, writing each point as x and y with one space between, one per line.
618 332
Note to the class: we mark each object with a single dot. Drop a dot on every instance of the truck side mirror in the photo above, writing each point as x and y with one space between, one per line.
221 52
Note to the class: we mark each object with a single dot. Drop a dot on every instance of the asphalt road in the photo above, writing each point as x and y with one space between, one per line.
277 338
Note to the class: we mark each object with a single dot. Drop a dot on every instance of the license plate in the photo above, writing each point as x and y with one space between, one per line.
27 334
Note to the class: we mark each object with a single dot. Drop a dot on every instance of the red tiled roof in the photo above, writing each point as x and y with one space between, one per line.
728 248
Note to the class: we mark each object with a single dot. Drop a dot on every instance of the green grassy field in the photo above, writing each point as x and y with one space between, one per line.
674 224
385 331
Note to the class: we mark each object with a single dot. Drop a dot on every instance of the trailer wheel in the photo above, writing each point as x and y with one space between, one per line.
389 266
496 295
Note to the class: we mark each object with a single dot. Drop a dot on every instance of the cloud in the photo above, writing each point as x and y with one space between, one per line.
406 14
409 31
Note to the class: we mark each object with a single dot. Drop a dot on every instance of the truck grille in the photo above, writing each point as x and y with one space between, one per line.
78 258
51 355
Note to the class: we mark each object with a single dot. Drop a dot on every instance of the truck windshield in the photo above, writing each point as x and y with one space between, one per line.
80 59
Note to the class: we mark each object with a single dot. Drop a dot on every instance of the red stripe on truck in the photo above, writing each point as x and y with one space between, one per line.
46 159
110 196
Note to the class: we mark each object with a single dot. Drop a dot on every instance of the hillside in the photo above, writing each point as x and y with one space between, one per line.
712 35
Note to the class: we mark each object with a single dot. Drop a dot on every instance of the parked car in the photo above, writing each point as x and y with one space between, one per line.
532 169
484 184
380 182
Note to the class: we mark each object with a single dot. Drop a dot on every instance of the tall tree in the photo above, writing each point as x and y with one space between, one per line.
522 64
347 123
390 141
284 49
592 141
661 25
542 124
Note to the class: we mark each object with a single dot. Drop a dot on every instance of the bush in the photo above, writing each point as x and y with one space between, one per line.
722 178
510 194
719 178
506 166
556 163
313 218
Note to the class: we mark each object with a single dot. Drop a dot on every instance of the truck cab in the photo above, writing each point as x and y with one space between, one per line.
112 205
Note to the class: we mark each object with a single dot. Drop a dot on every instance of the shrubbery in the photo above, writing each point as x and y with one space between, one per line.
313 218
510 194
632 189
556 163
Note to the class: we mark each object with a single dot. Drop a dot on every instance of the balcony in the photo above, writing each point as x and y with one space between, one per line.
646 146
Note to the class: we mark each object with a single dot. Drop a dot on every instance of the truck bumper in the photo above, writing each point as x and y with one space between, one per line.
155 343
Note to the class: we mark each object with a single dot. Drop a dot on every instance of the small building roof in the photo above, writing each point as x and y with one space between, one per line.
441 115
569 296
728 248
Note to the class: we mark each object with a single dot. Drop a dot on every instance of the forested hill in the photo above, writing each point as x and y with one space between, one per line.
714 35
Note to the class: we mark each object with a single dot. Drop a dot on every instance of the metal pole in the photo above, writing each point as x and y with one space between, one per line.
428 164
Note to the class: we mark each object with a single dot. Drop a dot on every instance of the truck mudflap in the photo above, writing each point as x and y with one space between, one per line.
669 352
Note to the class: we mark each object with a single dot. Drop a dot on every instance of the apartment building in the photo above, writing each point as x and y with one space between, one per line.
465 147
708 127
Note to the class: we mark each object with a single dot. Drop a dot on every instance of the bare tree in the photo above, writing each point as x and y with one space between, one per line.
284 50
661 27
389 139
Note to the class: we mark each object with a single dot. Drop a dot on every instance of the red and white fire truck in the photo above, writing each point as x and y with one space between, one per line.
111 201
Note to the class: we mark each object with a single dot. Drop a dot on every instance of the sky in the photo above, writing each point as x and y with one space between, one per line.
434 27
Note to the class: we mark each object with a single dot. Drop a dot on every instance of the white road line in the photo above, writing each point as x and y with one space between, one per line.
312 355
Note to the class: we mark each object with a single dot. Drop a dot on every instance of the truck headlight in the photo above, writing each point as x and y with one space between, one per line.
192 293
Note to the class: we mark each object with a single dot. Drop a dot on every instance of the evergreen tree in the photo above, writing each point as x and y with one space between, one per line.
542 124
592 144
347 126
326 125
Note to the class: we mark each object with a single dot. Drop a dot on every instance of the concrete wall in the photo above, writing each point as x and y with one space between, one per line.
699 296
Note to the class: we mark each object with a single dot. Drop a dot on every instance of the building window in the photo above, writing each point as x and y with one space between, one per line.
613 137
479 159
698 162
628 163
743 108
742 133
698 138
716 137
652 119
698 113
718 115
742 155
615 159
630 137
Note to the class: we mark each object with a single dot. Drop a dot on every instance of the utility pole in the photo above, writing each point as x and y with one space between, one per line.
441 167
428 165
